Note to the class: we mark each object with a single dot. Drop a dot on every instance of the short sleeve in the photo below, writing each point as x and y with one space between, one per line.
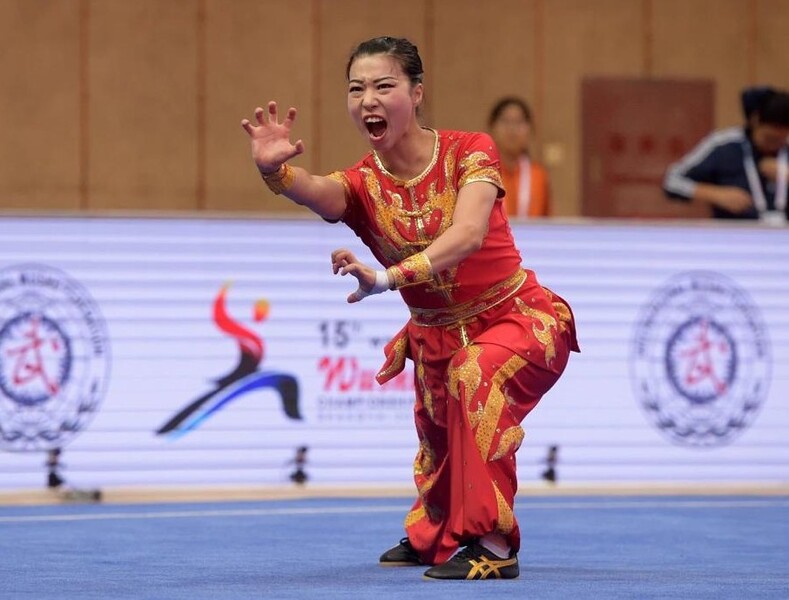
341 178
351 180
478 160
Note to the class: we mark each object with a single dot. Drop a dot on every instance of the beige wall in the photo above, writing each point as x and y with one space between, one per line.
111 104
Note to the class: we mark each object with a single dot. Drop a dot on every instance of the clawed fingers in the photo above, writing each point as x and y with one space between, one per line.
290 117
272 112
259 116
344 262
270 116
338 265
248 127
340 260
336 255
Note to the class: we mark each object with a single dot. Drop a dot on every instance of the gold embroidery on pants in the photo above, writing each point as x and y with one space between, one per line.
561 309
425 462
470 375
506 517
564 314
495 403
544 334
415 515
509 442
427 395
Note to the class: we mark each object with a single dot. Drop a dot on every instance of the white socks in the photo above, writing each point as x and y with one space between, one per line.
496 543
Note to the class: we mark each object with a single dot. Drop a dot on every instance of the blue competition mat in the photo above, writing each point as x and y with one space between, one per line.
721 547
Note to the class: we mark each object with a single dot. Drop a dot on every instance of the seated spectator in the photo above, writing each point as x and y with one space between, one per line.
741 172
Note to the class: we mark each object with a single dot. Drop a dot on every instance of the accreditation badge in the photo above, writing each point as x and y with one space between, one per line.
775 218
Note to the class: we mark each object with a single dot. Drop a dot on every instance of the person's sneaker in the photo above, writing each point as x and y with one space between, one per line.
402 555
476 562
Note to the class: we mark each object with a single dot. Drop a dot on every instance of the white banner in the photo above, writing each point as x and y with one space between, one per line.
206 351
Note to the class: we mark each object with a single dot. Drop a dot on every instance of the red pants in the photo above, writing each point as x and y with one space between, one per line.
470 402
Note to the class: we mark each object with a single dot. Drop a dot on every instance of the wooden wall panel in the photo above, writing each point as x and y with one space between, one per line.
483 50
343 25
602 38
633 129
771 63
707 39
253 55
143 104
148 95
39 104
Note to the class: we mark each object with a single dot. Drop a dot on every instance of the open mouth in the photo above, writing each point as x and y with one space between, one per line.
376 126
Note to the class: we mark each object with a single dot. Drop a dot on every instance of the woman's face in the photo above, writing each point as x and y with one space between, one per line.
511 131
381 100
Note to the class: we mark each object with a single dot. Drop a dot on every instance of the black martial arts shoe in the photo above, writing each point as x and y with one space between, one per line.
402 555
476 562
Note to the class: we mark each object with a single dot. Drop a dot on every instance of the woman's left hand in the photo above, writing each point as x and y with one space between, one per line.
345 263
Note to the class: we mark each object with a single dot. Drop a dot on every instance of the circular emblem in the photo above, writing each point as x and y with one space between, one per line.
701 360
54 358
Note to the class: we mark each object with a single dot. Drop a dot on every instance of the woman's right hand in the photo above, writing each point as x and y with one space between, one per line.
270 140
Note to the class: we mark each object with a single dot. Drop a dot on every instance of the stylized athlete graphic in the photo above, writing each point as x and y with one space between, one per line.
245 378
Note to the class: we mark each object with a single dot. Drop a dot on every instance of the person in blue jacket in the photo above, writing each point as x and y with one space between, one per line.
740 172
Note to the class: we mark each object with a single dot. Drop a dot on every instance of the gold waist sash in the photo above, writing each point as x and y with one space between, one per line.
432 317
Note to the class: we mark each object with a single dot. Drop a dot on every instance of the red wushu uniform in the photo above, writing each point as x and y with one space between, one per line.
487 341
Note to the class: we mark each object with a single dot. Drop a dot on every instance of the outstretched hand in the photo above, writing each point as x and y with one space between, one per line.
270 139
345 263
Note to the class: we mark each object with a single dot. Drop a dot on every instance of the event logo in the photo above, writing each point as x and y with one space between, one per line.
701 360
54 358
245 378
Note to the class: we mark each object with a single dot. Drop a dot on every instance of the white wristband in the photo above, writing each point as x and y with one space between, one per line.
381 282
381 285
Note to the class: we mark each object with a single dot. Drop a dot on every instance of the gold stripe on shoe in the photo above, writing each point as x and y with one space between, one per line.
485 568
475 562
